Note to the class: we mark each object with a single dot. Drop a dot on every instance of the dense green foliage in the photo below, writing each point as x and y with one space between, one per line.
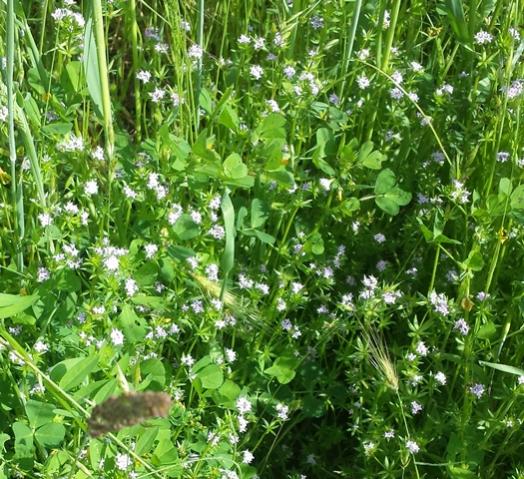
303 220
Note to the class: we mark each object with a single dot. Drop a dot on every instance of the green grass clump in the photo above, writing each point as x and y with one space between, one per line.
247 239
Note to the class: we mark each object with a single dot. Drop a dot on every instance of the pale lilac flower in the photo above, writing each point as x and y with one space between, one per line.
363 82
195 52
416 407
187 360
41 347
461 326
282 411
412 447
243 405
482 37
144 76
243 39
477 390
256 72
157 95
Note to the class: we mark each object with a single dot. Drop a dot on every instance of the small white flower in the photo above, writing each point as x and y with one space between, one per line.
117 338
123 462
440 377
195 52
247 457
111 263
412 447
243 405
157 95
256 72
91 187
41 347
482 37
144 76
45 219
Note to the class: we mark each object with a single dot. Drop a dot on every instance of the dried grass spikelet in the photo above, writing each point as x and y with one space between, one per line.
214 289
126 410
379 357
230 299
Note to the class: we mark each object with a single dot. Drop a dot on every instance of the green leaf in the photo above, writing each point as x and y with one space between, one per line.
369 158
385 181
283 369
455 14
91 67
259 213
11 304
474 261
325 140
233 166
229 118
282 176
3 439
133 327
155 374
76 375
517 203
228 257
146 440
389 196
272 127
39 413
230 390
205 101
185 228
487 330
50 435
211 376
503 367
24 446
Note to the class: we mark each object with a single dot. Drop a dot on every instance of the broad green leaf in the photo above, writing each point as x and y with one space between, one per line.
228 117
455 14
234 168
154 372
369 158
185 228
230 390
211 376
283 369
228 257
205 101
50 435
76 375
24 446
146 440
133 327
259 213
3 439
272 127
517 203
390 197
11 304
91 67
325 139
282 176
385 181
39 413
